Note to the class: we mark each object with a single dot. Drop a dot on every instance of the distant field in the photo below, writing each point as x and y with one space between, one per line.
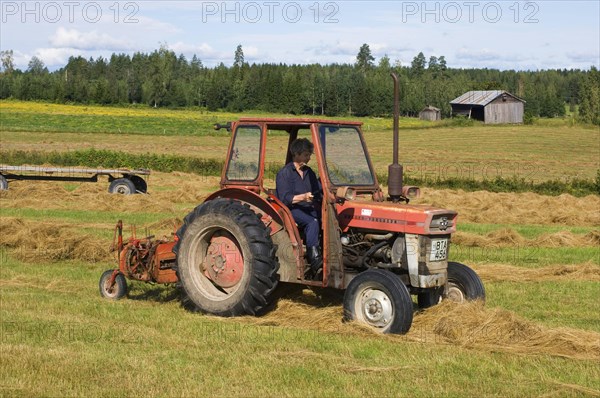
548 150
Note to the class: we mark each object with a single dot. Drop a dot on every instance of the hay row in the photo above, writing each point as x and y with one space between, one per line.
39 242
45 242
508 273
95 197
470 325
508 237
516 208
474 207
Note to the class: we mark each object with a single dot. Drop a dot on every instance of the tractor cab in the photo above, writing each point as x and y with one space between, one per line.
259 148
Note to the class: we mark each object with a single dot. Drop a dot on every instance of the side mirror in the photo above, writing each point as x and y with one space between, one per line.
345 193
219 126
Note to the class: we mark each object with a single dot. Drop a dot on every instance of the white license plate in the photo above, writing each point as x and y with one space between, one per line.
439 250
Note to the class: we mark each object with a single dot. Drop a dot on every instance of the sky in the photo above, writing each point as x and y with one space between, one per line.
520 35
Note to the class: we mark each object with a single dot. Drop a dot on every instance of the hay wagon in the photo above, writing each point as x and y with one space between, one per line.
123 181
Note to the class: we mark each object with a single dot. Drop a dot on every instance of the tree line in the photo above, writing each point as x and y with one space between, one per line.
164 79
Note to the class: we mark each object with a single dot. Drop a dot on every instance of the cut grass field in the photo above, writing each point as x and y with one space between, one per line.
539 333
539 258
551 149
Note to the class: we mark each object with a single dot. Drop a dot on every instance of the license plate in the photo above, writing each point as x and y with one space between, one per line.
439 250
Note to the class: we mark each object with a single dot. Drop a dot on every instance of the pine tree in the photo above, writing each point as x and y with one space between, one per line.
364 58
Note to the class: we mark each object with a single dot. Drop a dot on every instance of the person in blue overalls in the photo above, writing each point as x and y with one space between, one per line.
298 188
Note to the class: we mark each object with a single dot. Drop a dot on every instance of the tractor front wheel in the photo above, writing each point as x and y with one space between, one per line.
115 290
226 259
463 284
379 299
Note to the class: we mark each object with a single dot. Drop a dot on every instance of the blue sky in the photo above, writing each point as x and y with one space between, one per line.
522 35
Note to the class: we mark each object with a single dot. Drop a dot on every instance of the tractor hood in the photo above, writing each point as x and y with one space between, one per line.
394 217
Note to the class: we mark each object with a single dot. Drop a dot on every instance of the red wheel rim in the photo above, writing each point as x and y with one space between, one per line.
224 262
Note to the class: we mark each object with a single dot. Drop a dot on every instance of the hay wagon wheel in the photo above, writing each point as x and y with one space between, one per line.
123 186
226 259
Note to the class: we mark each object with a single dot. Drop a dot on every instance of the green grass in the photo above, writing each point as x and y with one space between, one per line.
55 325
565 303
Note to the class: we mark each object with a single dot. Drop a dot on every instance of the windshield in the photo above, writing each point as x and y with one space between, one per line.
345 157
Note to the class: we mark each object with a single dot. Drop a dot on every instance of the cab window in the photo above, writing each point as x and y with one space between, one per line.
244 160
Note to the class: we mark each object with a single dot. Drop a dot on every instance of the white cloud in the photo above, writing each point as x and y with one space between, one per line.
56 56
591 58
204 51
477 55
72 38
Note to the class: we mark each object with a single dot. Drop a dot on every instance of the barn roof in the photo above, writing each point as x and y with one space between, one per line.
481 97
430 108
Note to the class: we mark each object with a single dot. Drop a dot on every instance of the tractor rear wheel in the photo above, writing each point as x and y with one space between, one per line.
379 299
115 291
463 284
226 259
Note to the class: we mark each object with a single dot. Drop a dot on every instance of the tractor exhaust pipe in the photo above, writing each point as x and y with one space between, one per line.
395 170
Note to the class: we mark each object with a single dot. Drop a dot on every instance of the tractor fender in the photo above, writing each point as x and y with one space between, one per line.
284 232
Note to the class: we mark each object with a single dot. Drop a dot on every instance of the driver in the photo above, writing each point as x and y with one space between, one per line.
297 186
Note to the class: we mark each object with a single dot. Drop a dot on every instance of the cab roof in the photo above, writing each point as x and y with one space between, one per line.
285 123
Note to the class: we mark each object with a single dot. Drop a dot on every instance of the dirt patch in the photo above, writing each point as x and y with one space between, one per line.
45 242
502 272
508 237
516 208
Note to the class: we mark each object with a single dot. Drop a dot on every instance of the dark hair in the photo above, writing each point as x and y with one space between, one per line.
301 145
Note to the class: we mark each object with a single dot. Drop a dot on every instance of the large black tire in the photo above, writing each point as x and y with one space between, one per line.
379 299
463 284
3 183
117 290
212 280
122 186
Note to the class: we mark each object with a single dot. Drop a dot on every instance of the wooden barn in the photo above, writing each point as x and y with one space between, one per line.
491 107
430 113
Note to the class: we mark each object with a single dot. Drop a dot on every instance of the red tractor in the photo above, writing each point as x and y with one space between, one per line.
234 249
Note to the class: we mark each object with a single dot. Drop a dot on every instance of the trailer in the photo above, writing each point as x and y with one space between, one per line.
123 181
